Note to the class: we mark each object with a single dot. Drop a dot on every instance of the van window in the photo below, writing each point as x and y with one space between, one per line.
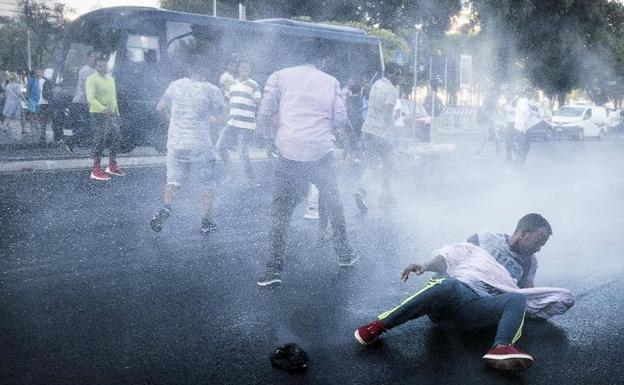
588 114
142 49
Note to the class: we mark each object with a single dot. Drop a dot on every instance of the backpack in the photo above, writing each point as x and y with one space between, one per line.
48 90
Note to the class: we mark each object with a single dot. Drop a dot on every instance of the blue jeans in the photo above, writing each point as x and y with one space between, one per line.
449 300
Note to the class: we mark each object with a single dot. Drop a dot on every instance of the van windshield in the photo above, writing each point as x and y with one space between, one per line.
570 112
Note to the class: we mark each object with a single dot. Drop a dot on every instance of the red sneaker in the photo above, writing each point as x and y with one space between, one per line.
98 174
506 357
114 169
367 334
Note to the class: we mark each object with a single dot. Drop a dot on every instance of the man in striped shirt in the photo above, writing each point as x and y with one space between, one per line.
243 96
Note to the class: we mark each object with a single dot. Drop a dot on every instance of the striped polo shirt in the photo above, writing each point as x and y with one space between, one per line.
244 97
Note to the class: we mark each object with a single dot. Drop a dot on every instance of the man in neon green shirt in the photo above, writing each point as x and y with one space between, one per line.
102 99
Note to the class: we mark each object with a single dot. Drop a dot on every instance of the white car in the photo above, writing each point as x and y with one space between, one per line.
580 121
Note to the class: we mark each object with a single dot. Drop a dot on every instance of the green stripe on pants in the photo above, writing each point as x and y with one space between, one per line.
518 333
429 285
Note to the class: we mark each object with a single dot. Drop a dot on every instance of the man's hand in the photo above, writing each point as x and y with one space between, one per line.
412 268
108 111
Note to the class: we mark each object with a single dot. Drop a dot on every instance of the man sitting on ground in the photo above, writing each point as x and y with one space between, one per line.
487 282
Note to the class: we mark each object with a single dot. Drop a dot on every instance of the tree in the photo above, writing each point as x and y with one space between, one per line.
558 44
435 16
12 45
46 22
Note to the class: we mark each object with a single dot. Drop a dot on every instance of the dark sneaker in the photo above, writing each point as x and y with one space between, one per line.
159 219
207 226
270 278
506 357
360 201
348 261
368 334
98 174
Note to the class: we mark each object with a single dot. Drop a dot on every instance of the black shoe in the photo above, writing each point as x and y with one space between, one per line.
207 226
348 260
159 219
270 278
360 200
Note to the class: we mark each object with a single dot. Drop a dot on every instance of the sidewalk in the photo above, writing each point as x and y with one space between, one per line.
28 159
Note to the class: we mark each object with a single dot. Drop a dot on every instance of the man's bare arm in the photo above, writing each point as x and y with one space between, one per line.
437 265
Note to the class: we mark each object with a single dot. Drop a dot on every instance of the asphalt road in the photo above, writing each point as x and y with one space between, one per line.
89 295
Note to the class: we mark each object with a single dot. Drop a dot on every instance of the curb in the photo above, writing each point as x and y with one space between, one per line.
85 163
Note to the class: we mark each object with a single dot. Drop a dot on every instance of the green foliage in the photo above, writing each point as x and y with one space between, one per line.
389 40
12 45
434 15
45 22
559 44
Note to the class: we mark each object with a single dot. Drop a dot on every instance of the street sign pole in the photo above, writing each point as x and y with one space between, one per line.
415 82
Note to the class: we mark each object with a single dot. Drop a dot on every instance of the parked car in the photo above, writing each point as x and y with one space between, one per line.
580 121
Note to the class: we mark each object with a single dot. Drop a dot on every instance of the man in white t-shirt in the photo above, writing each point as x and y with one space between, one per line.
194 107
517 142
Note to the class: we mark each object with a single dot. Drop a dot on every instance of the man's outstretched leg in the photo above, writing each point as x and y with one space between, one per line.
506 311
435 300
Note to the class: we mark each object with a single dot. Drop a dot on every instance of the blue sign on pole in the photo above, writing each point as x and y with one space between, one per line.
399 57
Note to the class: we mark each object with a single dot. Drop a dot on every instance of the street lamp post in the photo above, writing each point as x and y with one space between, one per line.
417 27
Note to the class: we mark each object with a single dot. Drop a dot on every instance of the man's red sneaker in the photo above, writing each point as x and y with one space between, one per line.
114 169
98 174
367 334
506 357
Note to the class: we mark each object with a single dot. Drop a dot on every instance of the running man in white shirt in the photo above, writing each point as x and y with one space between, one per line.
194 106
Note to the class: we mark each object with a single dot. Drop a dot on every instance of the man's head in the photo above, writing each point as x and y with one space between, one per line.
101 65
194 68
232 65
392 72
244 70
532 232
92 57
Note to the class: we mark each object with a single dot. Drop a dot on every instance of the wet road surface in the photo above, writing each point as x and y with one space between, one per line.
90 295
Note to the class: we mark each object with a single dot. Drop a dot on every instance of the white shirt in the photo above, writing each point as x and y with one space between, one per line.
195 107
42 100
522 114
308 104
476 268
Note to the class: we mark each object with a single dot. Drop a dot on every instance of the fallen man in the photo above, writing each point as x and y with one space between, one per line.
487 282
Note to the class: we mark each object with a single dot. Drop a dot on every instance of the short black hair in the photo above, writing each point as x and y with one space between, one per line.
532 222
392 69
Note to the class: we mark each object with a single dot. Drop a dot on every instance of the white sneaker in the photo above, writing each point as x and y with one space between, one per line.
311 213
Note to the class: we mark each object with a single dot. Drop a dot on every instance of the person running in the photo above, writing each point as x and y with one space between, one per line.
487 119
79 101
243 96
477 305
102 98
309 105
378 131
194 106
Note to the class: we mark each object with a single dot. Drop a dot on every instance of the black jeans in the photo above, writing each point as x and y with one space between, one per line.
290 188
516 142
